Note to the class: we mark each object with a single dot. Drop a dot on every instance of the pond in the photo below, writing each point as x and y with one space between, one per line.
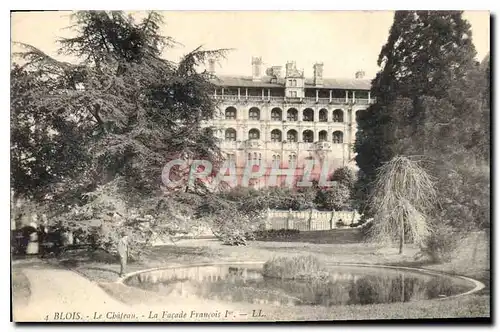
346 285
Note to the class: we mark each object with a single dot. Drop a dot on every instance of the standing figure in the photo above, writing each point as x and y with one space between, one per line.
33 246
123 252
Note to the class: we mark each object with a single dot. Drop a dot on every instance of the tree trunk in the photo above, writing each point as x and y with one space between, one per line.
402 237
402 287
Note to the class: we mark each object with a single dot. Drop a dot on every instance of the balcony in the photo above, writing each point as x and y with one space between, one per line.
298 100
322 145
232 145
253 144
285 145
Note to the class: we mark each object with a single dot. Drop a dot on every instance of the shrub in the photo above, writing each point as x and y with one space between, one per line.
299 267
440 244
340 223
229 222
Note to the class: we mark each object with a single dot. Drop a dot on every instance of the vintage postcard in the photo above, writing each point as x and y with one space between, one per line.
250 166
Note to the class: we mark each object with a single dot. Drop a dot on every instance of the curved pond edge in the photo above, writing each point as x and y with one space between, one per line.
478 285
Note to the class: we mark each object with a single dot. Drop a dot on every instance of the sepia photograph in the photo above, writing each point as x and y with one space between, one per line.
250 166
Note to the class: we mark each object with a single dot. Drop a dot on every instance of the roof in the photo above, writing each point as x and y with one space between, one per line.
265 82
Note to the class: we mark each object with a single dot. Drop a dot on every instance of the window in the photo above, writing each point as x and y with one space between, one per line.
292 114
276 114
291 136
276 160
253 134
323 115
230 113
276 135
292 159
293 94
338 137
230 134
338 116
308 136
294 83
256 160
254 113
323 136
231 159
357 114
308 115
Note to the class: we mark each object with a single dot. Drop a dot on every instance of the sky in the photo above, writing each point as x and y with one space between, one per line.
344 41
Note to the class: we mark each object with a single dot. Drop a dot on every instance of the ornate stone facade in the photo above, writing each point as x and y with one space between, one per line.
274 120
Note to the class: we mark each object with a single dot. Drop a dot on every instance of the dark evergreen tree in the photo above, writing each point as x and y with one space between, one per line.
427 52
121 113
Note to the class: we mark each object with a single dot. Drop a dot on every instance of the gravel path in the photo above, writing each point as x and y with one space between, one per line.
57 293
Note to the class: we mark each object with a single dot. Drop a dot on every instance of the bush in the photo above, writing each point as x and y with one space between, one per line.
275 234
300 267
340 224
229 222
441 243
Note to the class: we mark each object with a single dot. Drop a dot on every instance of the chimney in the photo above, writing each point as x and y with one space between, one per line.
318 73
256 68
360 74
290 68
274 72
211 66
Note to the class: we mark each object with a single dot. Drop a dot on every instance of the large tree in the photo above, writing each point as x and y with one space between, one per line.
426 54
127 111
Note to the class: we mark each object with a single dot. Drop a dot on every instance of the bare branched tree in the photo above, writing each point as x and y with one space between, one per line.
403 199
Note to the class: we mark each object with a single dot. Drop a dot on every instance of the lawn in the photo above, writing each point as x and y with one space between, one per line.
337 246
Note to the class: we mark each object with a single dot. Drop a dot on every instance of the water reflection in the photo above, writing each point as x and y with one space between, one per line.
347 285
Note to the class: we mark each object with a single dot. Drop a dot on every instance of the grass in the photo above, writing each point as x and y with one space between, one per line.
472 260
334 236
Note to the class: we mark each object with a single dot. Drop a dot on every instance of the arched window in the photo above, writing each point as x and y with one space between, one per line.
276 135
308 136
291 135
292 114
292 159
338 137
323 135
323 115
230 134
276 114
338 116
276 160
308 115
357 114
230 113
253 134
254 113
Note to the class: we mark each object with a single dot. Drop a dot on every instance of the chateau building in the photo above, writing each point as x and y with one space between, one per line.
285 119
